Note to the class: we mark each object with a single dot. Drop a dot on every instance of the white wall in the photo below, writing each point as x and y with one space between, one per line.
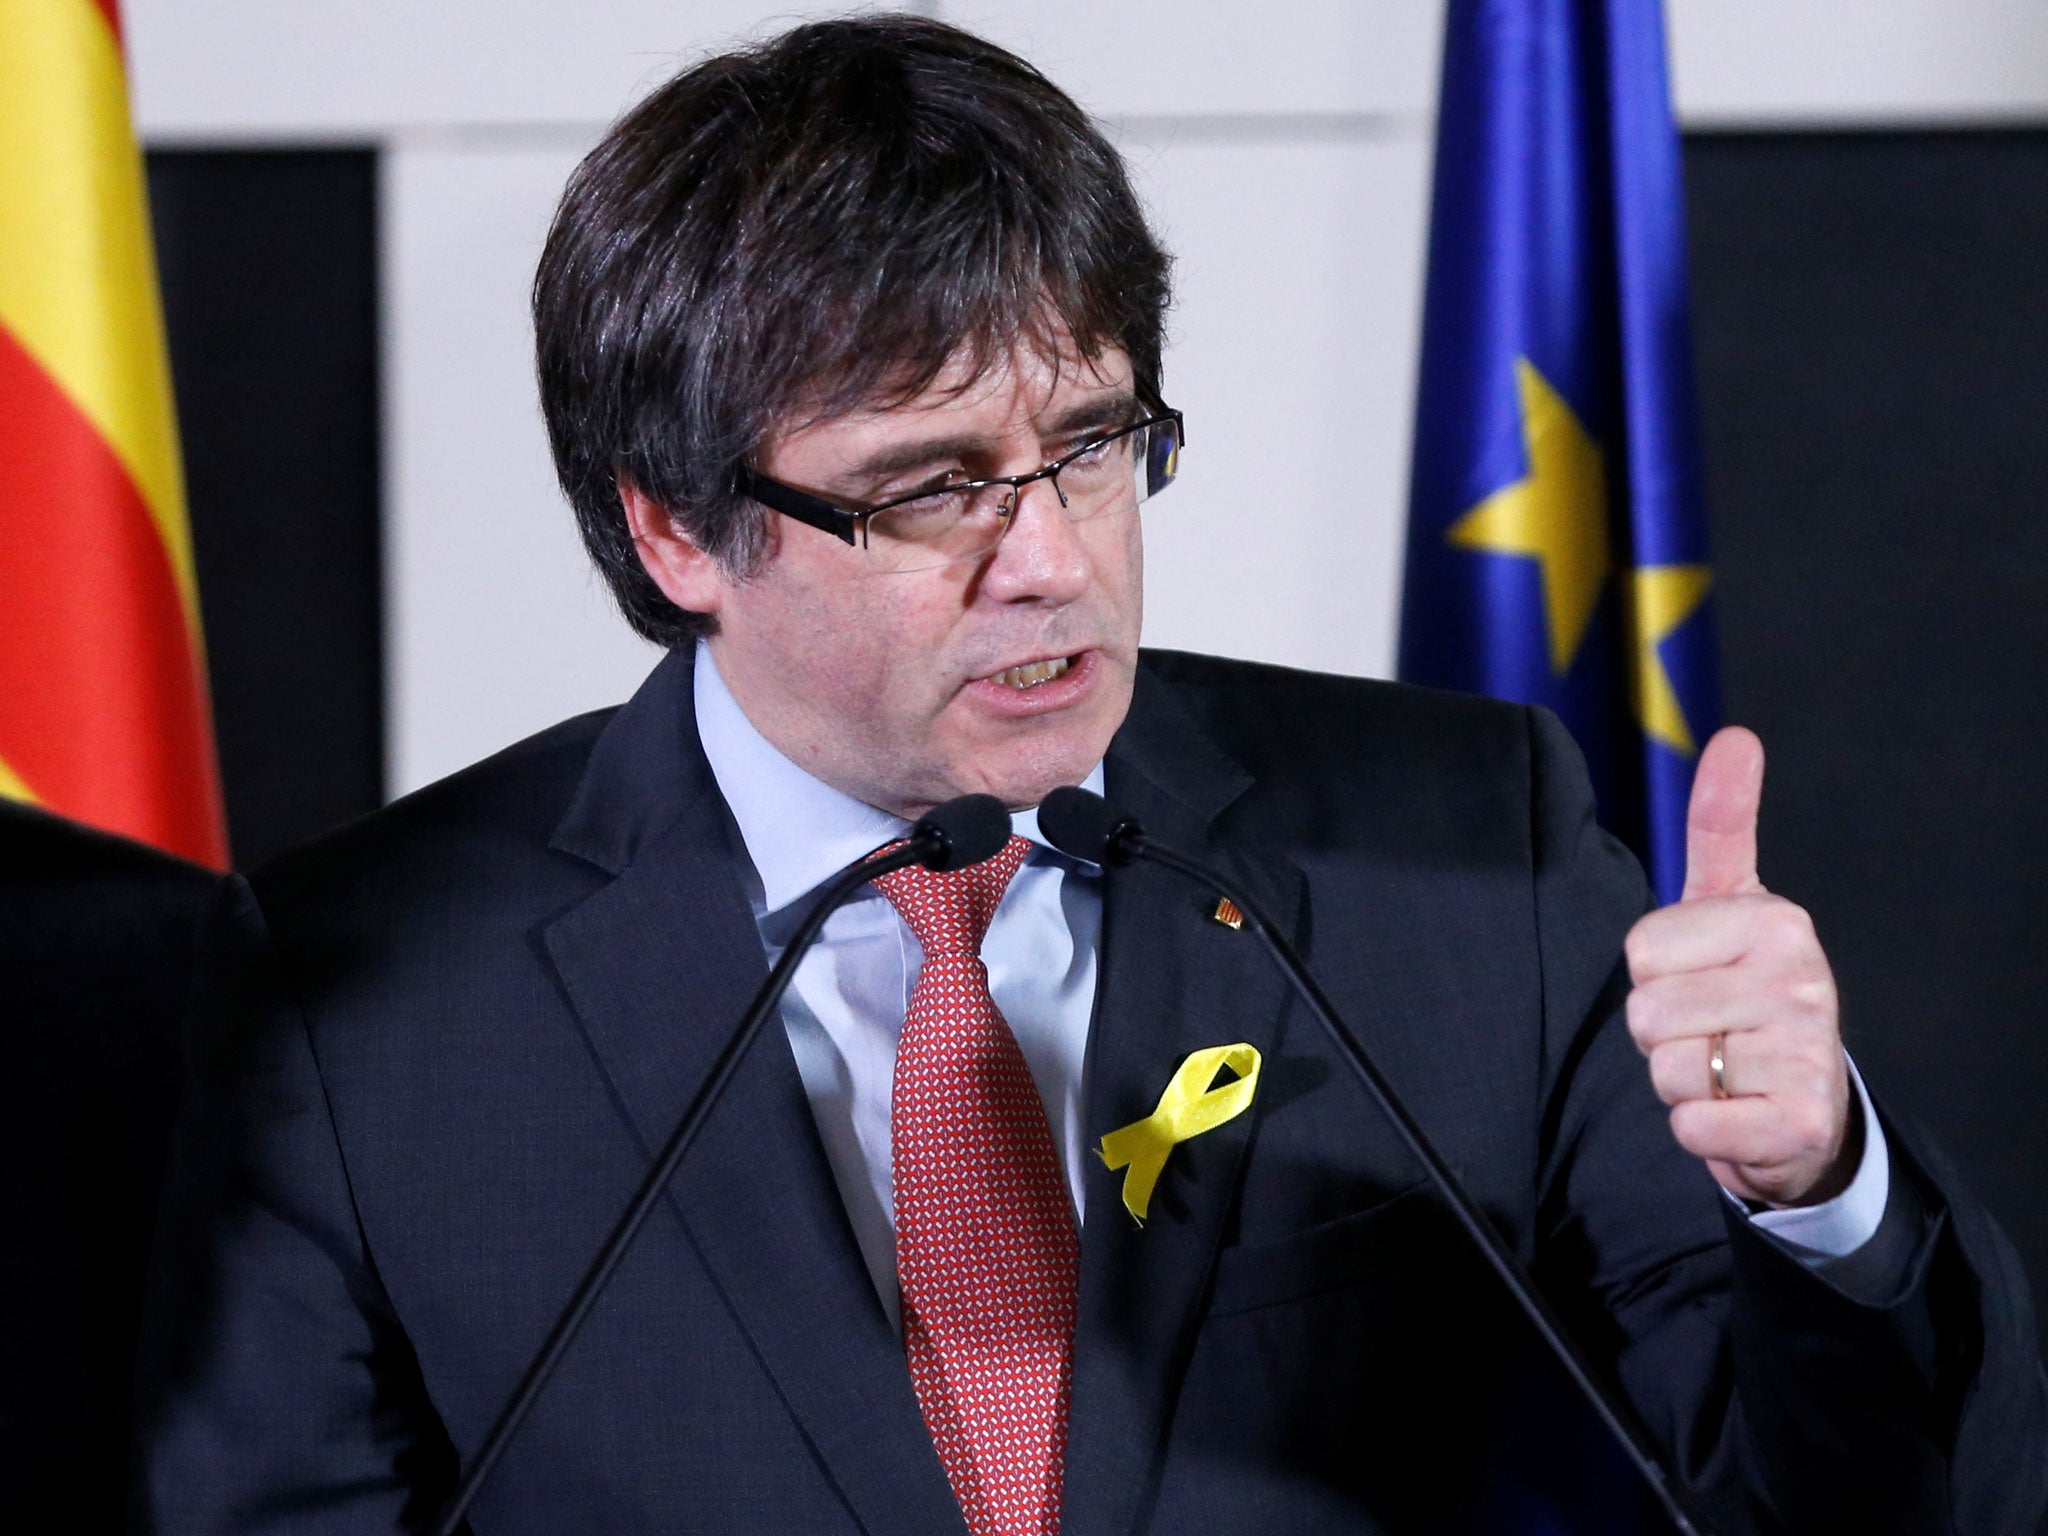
1284 149
214 69
1823 63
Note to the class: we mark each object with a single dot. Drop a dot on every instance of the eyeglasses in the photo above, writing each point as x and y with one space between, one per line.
964 521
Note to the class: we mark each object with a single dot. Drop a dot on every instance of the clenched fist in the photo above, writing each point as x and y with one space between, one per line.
1734 1005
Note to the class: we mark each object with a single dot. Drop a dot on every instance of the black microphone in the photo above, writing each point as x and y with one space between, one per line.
1085 826
950 836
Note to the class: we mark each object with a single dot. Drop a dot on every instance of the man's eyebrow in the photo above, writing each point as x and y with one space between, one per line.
892 461
1107 412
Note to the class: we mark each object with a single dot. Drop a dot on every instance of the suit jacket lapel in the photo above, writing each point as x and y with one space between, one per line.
1173 981
659 964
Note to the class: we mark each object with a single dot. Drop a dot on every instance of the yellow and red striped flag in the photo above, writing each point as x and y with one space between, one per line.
103 705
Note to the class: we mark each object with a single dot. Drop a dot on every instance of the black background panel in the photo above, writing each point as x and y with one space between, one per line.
1871 315
269 268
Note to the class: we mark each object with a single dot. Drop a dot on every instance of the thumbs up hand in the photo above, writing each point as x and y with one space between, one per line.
1734 1005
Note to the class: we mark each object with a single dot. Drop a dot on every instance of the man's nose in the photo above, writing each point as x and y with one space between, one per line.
1041 555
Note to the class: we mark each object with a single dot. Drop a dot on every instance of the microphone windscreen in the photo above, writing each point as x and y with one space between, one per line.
963 831
1083 825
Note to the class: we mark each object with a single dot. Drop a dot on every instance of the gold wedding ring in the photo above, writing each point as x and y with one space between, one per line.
1716 1066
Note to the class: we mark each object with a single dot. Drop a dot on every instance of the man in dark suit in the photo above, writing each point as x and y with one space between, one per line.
97 940
850 356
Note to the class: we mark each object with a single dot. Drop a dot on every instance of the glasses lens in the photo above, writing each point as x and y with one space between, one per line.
1118 472
946 527
1159 457
938 529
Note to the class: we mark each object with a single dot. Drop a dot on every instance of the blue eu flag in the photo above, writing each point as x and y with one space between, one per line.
1556 539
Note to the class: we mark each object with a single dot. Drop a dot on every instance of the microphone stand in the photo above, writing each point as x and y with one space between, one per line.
1103 835
961 832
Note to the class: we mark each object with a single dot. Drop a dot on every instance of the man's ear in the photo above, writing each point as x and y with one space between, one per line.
687 576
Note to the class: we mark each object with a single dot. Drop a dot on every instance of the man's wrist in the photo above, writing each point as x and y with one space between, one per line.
1842 1223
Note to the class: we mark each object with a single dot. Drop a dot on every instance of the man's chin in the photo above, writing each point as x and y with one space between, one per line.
1022 782
1021 762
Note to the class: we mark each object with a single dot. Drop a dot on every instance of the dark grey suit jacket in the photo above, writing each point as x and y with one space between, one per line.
446 1038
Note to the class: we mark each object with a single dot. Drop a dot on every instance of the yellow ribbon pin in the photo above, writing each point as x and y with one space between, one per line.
1193 1103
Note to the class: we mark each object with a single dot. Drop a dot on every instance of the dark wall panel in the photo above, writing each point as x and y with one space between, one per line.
1872 322
269 263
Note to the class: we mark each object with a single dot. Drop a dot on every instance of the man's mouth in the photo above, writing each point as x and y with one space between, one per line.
1033 673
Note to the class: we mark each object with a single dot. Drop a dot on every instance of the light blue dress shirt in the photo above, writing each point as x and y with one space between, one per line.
845 1006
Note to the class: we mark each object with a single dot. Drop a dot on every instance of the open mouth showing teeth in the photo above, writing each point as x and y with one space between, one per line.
1034 674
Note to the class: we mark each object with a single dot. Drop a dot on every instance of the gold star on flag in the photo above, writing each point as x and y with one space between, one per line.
1662 597
1556 514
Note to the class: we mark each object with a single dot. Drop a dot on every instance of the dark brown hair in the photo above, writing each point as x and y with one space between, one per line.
787 232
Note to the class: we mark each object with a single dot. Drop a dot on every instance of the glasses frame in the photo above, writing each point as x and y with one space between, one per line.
850 526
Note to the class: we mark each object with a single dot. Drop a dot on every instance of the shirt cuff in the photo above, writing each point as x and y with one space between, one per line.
1814 1234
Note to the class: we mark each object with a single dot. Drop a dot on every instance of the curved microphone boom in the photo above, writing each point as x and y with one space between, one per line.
1085 826
950 836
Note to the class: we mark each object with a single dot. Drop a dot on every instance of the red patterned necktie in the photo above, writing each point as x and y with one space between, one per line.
986 1254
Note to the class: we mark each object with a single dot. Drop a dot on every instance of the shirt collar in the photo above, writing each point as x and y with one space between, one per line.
798 830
